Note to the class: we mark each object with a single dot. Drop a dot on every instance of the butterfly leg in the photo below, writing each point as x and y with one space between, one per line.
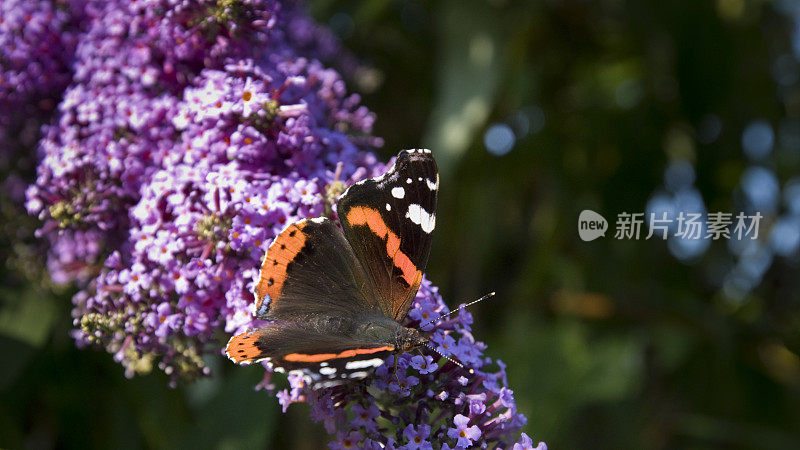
396 378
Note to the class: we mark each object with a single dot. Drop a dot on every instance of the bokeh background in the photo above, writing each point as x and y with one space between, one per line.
535 111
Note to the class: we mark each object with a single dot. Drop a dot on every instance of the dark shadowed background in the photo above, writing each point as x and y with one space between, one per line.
535 111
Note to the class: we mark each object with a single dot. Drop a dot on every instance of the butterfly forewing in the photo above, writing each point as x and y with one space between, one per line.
389 222
309 270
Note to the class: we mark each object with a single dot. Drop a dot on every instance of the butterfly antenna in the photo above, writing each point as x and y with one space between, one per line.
490 294
449 358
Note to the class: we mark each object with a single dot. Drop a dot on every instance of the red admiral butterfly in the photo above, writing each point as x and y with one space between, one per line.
336 300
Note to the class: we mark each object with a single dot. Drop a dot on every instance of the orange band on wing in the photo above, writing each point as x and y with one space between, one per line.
301 357
280 253
361 215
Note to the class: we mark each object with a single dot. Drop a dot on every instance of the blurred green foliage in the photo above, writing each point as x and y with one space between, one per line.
610 344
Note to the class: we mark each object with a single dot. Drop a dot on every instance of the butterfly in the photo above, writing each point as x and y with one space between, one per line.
336 299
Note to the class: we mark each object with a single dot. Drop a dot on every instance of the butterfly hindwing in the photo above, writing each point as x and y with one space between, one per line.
325 358
389 222
310 269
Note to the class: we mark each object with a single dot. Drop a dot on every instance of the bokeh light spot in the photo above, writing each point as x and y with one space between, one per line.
757 140
761 189
709 129
679 175
785 236
499 139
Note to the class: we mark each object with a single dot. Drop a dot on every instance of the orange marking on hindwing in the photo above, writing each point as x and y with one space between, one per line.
279 254
361 215
242 348
302 357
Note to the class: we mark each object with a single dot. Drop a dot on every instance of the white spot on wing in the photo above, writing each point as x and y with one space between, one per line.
318 219
421 217
364 363
360 374
408 180
432 185
327 370
388 207
398 192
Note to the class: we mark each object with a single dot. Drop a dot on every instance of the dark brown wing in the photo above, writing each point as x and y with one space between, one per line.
389 222
326 358
310 270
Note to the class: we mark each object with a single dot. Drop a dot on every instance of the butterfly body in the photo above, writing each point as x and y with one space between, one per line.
335 299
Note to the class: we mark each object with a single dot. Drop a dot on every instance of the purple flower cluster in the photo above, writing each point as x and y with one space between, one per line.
37 43
191 134
429 402
130 70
